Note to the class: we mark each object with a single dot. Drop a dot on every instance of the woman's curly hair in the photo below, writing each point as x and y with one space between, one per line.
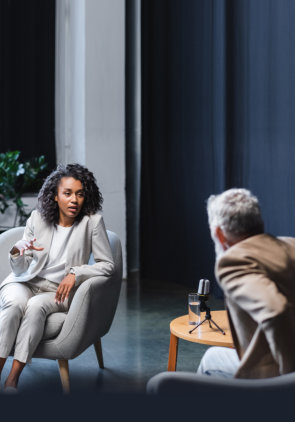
48 207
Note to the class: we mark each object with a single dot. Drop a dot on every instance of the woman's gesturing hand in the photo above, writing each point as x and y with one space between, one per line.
23 245
64 288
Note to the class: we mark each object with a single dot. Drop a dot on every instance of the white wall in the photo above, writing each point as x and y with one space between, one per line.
90 98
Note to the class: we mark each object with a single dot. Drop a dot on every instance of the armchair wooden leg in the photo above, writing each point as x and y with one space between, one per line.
64 374
99 355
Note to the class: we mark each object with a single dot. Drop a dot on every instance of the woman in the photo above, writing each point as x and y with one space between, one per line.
51 261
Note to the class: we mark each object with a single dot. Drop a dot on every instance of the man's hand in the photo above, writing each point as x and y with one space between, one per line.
23 245
64 288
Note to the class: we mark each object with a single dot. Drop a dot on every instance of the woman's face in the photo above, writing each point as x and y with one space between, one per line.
70 198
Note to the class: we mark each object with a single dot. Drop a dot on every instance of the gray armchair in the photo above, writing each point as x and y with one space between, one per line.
89 318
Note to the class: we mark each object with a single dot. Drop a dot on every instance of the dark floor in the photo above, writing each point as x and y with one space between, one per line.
135 349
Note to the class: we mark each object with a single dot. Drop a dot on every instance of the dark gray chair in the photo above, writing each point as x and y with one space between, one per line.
89 318
186 395
186 383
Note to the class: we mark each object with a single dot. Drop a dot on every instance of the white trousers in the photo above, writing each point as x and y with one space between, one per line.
24 308
220 362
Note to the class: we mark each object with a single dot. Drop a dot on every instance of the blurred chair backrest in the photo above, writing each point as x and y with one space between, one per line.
191 383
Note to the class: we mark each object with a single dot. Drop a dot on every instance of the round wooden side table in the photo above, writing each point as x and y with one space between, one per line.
179 328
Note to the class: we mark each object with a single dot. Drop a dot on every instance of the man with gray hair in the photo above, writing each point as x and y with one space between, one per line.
256 272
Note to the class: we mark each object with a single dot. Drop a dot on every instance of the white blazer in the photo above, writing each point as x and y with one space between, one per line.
88 236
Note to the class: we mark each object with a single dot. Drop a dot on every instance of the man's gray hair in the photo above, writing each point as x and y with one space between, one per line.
236 212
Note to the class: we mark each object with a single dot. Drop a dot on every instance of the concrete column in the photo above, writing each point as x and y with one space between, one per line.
70 81
90 98
133 132
105 107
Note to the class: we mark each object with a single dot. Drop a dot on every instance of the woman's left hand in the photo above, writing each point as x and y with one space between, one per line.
64 288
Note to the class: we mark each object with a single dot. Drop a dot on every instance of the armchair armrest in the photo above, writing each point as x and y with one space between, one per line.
89 318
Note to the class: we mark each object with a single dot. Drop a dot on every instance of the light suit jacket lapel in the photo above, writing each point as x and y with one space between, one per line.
44 234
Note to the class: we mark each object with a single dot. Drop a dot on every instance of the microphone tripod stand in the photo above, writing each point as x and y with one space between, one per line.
204 307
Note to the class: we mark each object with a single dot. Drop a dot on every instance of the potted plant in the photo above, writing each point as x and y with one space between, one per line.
18 178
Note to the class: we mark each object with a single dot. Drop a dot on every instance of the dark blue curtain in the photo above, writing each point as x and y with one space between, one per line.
27 62
218 111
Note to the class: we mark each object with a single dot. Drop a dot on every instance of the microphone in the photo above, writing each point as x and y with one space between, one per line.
203 294
204 289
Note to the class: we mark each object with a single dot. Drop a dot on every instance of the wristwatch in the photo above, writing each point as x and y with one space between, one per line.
72 271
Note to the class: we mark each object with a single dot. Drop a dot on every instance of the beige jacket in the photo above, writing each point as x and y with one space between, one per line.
257 276
89 235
